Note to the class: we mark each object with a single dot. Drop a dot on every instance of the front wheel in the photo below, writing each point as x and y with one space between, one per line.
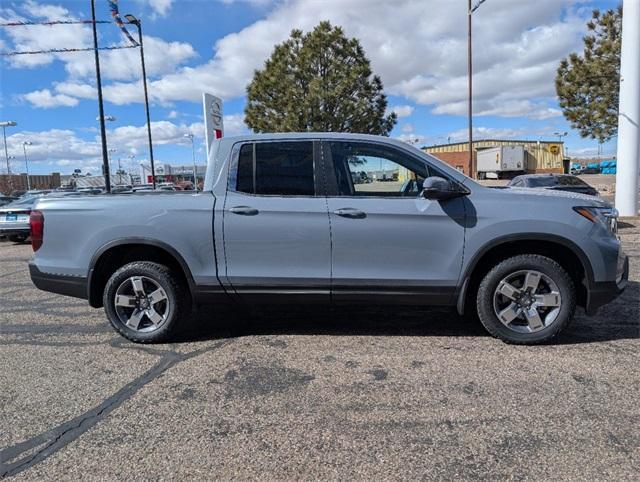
145 302
526 299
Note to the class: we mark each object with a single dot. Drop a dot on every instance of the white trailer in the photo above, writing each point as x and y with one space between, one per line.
495 161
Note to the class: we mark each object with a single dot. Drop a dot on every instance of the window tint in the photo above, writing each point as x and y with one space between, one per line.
363 169
545 181
571 181
280 168
245 169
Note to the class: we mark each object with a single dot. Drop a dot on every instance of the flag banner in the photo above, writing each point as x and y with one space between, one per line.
113 6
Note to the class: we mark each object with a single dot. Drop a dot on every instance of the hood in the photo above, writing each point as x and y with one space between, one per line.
581 199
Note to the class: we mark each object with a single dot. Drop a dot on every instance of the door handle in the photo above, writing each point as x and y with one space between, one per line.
244 210
350 213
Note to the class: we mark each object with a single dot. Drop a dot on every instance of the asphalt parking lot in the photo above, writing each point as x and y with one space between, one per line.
314 394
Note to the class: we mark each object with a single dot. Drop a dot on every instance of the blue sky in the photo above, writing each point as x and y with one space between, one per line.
417 47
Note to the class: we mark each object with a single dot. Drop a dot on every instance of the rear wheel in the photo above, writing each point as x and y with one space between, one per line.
526 299
145 302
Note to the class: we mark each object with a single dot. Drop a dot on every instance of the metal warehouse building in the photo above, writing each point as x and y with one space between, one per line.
541 156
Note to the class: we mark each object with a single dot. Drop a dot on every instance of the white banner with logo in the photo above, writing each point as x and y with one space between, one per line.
213 126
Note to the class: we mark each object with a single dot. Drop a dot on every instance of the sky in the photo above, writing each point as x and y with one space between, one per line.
418 47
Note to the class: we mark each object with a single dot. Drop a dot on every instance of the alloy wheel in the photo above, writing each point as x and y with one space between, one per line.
527 301
141 304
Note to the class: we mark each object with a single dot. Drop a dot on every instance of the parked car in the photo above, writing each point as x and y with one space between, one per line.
281 220
554 182
576 169
4 200
14 219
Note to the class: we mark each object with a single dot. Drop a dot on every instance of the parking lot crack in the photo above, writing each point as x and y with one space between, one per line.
14 459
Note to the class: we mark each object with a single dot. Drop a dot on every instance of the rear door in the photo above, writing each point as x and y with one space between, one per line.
276 226
387 239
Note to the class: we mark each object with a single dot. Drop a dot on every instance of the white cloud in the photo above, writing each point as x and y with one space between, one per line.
82 91
488 133
161 57
406 128
44 99
516 53
401 110
42 37
161 7
172 115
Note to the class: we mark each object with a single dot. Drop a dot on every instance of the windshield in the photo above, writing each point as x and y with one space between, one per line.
22 202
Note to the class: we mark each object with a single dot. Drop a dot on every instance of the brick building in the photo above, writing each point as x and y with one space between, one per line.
18 182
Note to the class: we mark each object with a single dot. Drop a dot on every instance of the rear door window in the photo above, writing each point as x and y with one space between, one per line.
276 168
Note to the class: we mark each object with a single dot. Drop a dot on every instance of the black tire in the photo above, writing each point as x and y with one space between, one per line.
511 266
178 301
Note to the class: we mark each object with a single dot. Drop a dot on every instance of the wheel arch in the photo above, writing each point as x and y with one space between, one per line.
562 250
117 253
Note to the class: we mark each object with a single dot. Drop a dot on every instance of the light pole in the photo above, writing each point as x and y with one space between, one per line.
560 135
193 153
135 21
470 10
4 125
26 162
112 150
131 157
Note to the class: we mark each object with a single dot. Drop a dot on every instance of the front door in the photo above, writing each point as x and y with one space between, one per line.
276 227
386 238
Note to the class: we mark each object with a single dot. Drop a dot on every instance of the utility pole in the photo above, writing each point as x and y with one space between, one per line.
137 22
470 10
103 132
628 155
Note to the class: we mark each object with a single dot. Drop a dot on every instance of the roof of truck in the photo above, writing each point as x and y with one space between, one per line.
313 135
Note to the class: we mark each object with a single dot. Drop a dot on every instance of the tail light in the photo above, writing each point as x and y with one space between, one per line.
36 224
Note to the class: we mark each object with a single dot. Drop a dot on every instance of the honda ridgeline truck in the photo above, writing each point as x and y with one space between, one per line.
285 217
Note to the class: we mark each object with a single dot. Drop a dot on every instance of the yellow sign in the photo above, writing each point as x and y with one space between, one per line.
554 149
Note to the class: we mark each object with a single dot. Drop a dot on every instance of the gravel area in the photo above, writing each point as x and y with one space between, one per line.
322 394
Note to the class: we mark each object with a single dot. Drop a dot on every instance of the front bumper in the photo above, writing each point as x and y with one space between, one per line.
75 286
602 293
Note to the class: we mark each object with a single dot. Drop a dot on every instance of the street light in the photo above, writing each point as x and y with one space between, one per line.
135 21
111 150
4 125
560 135
26 163
470 10
131 158
193 152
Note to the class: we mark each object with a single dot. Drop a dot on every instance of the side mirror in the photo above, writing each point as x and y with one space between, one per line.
440 189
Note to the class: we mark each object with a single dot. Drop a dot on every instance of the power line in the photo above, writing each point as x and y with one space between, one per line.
53 22
53 51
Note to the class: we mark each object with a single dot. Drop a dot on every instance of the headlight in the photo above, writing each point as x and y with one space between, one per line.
607 217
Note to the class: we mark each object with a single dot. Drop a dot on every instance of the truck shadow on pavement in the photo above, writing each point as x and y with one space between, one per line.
619 320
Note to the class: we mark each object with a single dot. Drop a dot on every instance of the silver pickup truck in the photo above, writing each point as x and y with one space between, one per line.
332 218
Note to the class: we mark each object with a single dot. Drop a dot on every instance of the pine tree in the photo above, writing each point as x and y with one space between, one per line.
319 81
588 84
